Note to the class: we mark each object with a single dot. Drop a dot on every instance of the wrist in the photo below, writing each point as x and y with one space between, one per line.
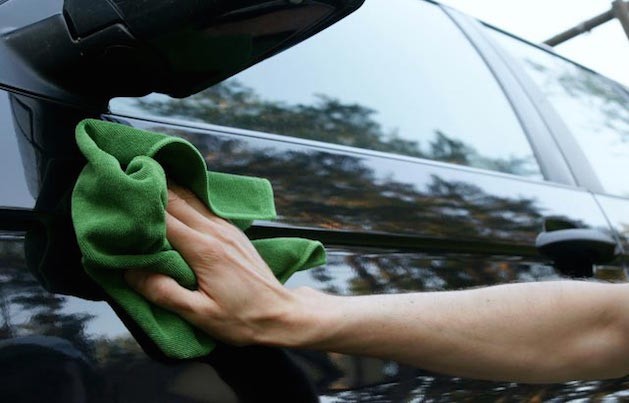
315 317
307 320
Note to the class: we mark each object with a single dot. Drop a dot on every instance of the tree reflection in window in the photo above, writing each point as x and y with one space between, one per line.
594 108
326 119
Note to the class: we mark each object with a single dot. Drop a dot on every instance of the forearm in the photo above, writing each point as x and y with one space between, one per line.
541 332
535 332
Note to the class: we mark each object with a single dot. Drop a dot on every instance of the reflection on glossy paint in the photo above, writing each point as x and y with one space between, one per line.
14 190
61 345
336 190
383 97
124 372
374 271
617 210
85 361
331 121
314 187
428 388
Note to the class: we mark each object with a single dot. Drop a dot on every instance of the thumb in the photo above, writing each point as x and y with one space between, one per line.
164 291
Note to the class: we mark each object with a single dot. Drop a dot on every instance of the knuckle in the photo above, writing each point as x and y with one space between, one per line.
211 250
178 195
173 198
230 235
185 194
184 305
228 239
233 231
158 289
209 312
199 257
230 228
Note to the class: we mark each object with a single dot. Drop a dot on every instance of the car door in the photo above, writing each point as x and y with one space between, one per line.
359 147
396 137
590 116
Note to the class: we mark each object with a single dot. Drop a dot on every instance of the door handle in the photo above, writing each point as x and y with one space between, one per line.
575 250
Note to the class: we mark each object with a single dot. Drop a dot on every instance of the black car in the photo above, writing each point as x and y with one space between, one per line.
425 149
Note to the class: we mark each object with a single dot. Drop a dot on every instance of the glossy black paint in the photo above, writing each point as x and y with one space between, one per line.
391 224
86 52
403 208
90 349
334 188
40 156
617 210
13 176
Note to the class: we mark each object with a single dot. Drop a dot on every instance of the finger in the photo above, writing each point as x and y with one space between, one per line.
213 227
188 197
164 291
185 239
184 204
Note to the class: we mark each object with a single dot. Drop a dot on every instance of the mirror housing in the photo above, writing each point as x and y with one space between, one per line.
575 250
94 50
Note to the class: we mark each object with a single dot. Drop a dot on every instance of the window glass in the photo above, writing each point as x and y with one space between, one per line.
396 77
594 108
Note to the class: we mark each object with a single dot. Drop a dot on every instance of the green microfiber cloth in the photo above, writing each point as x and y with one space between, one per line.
118 211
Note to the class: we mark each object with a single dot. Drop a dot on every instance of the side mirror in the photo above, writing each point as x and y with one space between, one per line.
575 250
93 50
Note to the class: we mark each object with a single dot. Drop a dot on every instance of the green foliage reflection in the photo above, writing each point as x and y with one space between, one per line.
326 119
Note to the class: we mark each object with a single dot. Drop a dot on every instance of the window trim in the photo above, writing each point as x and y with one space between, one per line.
546 149
584 173
124 118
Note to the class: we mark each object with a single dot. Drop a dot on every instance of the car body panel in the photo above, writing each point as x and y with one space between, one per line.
390 224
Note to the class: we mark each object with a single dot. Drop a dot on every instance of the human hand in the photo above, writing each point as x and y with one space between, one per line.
238 299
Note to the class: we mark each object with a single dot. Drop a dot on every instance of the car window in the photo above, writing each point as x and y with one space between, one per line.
594 108
397 79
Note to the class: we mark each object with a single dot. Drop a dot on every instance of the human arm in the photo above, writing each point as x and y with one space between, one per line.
536 332
533 333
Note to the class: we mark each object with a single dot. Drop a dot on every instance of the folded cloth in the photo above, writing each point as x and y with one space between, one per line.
118 212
